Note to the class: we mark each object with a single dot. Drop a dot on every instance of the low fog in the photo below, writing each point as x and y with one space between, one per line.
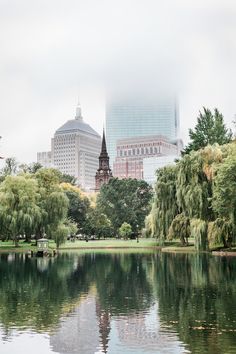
54 51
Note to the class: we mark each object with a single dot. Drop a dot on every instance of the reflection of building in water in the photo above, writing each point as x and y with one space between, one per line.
89 329
84 331
104 326
42 263
145 333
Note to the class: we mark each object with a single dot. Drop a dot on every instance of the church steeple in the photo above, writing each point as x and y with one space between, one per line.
104 146
104 321
104 173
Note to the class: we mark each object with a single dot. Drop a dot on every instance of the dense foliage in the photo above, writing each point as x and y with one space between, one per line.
180 228
79 204
97 224
196 197
42 202
126 200
165 207
210 129
34 203
19 207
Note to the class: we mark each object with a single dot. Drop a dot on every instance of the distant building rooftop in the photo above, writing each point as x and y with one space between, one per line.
74 125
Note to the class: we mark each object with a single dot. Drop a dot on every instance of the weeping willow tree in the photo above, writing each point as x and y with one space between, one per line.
220 231
180 228
194 182
197 188
164 207
195 174
224 196
199 230
33 205
53 202
59 234
19 212
151 221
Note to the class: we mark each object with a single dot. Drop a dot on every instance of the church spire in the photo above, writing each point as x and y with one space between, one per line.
104 173
104 145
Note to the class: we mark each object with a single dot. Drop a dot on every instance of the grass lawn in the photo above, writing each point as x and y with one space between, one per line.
175 246
107 245
110 243
7 246
77 245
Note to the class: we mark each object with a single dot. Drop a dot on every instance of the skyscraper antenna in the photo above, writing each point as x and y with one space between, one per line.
78 111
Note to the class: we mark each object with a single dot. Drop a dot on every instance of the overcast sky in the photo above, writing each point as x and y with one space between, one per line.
51 51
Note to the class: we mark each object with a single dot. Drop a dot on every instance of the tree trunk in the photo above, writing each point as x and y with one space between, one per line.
16 241
27 238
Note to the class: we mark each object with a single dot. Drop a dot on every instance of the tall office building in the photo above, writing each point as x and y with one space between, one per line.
133 118
75 150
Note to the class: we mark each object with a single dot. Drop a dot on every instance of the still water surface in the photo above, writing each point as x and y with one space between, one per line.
117 303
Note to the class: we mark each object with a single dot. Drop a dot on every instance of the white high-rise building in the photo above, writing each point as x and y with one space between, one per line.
75 150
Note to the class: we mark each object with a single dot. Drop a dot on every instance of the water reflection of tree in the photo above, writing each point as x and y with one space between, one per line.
196 293
32 297
196 297
35 292
122 283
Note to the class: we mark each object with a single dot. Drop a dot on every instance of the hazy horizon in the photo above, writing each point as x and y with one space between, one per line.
54 51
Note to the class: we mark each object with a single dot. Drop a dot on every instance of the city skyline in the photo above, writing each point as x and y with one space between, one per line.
53 52
9 150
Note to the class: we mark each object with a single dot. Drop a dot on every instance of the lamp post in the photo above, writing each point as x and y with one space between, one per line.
137 234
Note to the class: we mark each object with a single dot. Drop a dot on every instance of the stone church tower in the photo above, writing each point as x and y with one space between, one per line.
104 173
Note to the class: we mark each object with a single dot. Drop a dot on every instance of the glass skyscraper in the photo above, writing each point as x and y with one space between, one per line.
126 119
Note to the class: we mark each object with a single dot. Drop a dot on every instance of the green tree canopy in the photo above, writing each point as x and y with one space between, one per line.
224 190
31 168
201 188
53 202
164 207
125 200
79 204
19 212
210 129
97 224
125 230
65 178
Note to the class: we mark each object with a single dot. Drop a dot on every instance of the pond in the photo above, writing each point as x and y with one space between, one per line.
117 303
